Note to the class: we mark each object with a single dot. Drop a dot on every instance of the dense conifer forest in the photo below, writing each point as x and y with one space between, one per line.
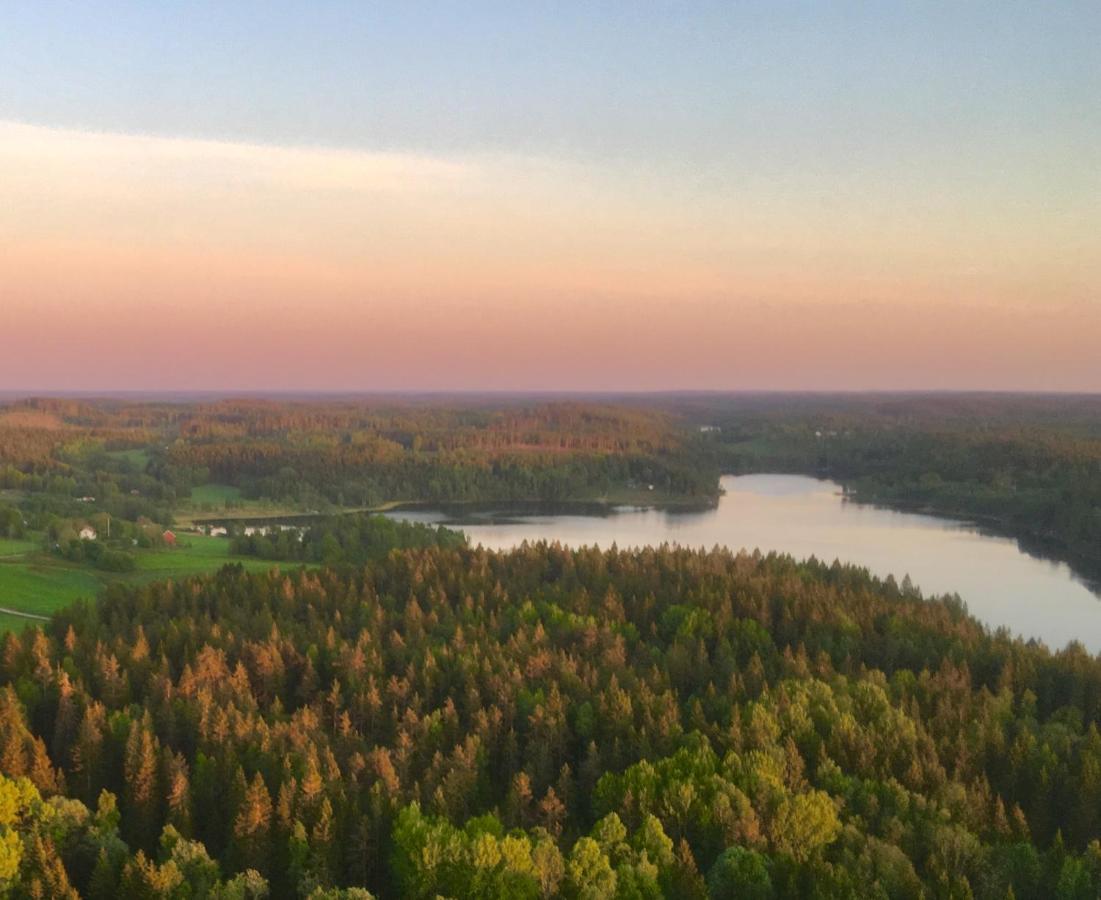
545 722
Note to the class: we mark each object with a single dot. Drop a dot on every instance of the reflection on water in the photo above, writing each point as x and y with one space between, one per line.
804 516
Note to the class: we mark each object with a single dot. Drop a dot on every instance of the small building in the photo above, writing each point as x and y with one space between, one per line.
169 538
87 533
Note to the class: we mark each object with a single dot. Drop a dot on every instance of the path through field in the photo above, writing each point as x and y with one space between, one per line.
24 615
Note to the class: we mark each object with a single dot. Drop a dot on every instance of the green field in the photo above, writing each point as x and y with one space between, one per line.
12 547
190 513
44 586
193 550
214 494
137 457
15 623
196 553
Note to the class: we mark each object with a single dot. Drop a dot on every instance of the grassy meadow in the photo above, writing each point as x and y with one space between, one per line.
39 583
137 457
196 553
14 623
223 501
214 495
16 547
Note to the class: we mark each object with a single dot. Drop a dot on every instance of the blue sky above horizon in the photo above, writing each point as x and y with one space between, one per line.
808 168
666 81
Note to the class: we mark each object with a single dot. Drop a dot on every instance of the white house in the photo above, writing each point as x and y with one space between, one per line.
87 533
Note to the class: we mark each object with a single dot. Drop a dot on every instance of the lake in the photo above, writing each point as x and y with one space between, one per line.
1000 583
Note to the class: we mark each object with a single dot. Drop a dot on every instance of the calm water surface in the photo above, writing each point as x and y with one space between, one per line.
1001 584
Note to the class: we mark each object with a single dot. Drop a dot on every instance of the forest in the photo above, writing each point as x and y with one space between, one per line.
449 721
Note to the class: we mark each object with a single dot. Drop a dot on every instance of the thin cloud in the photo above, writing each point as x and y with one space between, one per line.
24 146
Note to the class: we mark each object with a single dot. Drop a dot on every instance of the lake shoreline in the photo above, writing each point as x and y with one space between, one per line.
666 502
1048 548
1045 546
1002 581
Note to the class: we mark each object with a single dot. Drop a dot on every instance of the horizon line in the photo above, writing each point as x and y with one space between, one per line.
17 394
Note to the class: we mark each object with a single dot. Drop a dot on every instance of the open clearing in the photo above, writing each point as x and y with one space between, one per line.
40 584
196 553
214 494
43 587
15 623
16 546
137 457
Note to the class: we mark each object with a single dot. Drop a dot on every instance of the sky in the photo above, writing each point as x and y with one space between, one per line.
568 196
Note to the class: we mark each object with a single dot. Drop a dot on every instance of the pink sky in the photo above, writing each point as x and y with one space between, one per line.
132 262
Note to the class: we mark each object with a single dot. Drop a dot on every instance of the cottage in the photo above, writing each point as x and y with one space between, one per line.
87 533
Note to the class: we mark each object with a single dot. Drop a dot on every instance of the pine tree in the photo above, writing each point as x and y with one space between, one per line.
252 828
141 796
42 874
685 876
178 797
86 757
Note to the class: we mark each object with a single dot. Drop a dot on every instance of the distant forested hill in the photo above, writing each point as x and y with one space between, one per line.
344 452
451 721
